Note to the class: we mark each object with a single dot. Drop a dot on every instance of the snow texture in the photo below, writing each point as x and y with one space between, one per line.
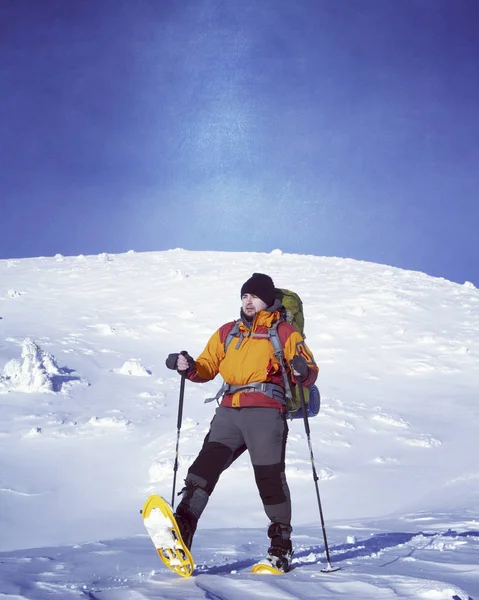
87 432
36 371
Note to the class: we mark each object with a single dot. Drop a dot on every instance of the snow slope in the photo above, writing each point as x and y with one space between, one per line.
88 429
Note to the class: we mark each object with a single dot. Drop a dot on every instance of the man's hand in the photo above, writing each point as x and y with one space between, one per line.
185 362
181 362
300 366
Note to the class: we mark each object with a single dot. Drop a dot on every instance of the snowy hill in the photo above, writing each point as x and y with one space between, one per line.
88 429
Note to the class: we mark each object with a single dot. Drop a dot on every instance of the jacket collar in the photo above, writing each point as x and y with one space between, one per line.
264 318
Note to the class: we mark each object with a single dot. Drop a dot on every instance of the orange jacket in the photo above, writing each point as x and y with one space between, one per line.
253 361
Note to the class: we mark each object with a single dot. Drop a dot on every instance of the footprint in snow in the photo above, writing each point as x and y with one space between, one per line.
385 460
301 469
422 441
104 328
108 423
336 443
345 424
386 420
419 368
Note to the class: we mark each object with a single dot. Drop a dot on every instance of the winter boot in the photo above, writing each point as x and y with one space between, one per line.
187 525
189 510
279 558
280 553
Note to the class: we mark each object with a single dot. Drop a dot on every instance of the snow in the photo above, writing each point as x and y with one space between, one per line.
88 426
158 527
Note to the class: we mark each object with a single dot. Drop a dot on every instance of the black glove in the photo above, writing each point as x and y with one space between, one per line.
191 363
300 365
172 361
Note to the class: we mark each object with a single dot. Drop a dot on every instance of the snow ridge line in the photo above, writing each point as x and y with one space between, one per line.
209 595
385 541
342 552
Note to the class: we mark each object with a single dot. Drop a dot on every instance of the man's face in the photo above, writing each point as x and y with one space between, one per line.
252 304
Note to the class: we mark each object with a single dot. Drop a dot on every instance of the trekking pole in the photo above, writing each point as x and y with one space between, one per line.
315 476
178 429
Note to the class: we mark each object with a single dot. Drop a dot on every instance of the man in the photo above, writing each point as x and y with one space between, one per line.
252 413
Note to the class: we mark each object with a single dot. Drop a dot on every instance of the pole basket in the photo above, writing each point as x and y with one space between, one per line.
330 569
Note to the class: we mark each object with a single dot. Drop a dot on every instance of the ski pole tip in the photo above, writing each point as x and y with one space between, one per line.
330 569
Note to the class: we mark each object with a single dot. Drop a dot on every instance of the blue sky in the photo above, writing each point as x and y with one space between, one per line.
346 128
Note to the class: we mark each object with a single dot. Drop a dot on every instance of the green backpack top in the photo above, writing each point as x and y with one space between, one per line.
293 314
293 308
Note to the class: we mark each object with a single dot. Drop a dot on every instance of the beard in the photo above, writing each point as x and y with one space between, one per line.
246 317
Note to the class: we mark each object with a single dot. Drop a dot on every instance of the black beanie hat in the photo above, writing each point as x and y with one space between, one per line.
260 285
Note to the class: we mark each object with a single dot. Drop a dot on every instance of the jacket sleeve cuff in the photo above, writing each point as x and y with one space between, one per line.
193 376
309 379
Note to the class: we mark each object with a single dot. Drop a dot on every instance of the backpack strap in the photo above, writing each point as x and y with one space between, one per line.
234 332
269 389
279 354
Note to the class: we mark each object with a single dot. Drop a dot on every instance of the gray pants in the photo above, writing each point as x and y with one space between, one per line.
261 431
